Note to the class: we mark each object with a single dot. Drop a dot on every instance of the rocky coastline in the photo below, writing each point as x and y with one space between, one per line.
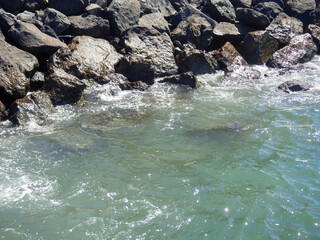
51 50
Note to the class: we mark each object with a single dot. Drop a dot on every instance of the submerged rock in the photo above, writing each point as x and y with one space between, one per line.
187 78
292 86
35 107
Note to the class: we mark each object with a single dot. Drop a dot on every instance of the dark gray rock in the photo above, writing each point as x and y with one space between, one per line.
11 5
33 5
300 50
299 7
284 28
55 19
37 81
162 6
241 3
258 47
101 3
222 10
70 7
252 18
122 15
293 86
269 8
89 25
314 30
138 85
187 78
6 20
156 21
95 9
35 107
3 112
31 39
178 4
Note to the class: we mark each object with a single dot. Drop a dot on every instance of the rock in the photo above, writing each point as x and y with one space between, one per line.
114 78
35 107
196 61
89 25
63 88
6 20
123 14
312 17
150 54
95 9
178 4
70 7
162 6
241 3
222 10
16 67
138 85
292 86
101 3
299 7
156 21
270 8
252 18
37 81
11 5
284 28
314 30
187 78
195 30
3 112
87 58
301 49
55 19
33 5
229 32
31 39
258 47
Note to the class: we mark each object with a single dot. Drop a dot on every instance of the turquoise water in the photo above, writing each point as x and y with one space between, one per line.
221 162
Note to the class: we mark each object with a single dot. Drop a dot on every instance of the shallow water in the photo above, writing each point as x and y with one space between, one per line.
219 162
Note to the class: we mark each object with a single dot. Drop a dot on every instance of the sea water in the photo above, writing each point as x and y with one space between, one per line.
225 161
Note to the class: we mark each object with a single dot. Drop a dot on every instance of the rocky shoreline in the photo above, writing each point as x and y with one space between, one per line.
58 48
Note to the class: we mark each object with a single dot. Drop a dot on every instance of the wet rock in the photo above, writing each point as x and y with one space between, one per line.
138 85
63 88
162 6
89 25
241 3
284 28
301 49
258 47
271 9
11 5
195 30
33 5
3 112
150 54
55 19
6 20
31 39
123 14
16 66
156 21
70 7
187 78
35 107
314 30
292 86
299 7
196 61
115 78
37 81
252 18
222 10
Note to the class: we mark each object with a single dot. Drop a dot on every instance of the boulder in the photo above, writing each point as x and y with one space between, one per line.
55 19
63 88
292 86
70 7
252 18
33 5
187 78
149 55
16 67
6 20
37 81
138 85
222 10
101 3
314 30
89 25
258 47
241 3
122 15
31 39
284 28
3 112
162 6
178 4
156 21
269 8
35 107
299 7
95 9
301 49
11 5
195 30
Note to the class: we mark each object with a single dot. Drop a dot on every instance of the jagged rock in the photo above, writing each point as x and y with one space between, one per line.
35 107
252 18
6 20
150 54
241 3
293 86
3 112
63 88
138 85
156 21
31 39
89 25
55 19
226 55
11 5
178 4
195 30
87 58
284 28
16 66
258 47
299 7
37 81
222 10
311 17
115 78
301 49
69 7
33 5
269 8
314 30
162 6
123 15
196 61
95 9
229 32
187 78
